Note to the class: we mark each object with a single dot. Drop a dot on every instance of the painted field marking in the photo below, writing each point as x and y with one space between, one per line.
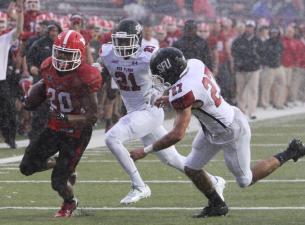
151 208
148 181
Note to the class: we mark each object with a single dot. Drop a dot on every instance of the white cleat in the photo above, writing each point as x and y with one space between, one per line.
136 193
220 186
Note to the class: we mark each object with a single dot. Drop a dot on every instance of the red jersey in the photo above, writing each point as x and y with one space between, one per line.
67 93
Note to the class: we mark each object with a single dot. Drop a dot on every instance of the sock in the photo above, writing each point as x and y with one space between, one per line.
214 199
136 179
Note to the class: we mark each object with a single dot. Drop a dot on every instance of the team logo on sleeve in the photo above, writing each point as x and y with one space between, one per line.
164 65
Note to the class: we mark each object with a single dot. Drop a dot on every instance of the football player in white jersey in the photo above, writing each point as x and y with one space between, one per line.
127 62
195 91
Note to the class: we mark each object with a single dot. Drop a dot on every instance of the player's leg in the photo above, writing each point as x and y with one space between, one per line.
169 156
237 157
72 149
202 152
38 155
131 126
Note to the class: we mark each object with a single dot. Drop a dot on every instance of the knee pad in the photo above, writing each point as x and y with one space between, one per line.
26 169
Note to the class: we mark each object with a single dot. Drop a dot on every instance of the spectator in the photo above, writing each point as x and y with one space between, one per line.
39 51
6 101
301 62
263 33
160 35
77 24
204 32
246 50
223 75
193 46
172 31
272 72
148 38
289 59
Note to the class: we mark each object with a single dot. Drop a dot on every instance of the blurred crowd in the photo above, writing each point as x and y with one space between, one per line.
257 61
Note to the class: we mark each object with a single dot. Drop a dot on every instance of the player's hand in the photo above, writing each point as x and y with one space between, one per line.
162 102
62 116
34 70
137 154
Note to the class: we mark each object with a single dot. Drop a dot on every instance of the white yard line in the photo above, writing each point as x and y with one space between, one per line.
153 208
147 181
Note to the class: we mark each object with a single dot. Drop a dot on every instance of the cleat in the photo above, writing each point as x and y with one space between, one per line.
72 178
220 186
210 211
136 194
296 149
67 209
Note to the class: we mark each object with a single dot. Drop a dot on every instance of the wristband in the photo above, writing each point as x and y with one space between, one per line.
148 149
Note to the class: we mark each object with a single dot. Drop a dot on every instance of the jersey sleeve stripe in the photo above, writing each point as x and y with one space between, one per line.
184 102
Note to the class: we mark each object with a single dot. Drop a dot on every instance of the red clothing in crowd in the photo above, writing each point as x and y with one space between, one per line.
30 20
289 55
222 41
87 36
105 38
301 53
203 7
171 37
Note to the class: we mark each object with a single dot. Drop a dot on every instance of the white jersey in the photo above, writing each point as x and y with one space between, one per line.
131 75
197 87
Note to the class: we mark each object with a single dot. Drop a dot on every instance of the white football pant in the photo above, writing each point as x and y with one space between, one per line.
146 125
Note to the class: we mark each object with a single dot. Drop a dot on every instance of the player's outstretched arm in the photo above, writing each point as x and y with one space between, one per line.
182 121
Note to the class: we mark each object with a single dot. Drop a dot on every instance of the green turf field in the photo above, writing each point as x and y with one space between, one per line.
279 200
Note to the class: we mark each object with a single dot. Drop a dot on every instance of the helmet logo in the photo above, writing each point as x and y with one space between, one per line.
164 65
138 28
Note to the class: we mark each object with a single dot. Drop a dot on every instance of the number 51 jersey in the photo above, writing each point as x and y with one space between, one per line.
131 75
197 87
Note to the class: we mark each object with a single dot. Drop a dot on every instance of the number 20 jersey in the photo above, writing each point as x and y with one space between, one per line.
131 75
197 87
67 93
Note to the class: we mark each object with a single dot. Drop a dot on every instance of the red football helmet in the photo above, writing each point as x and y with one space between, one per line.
3 21
32 5
68 51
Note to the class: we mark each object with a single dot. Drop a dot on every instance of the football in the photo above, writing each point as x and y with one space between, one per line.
36 95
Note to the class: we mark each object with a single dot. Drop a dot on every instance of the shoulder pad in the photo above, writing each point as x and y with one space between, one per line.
105 50
46 63
148 51
90 76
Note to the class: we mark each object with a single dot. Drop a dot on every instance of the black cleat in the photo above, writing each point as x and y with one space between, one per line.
211 210
296 149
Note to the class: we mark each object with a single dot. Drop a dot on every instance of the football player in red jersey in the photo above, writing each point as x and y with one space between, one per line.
71 86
